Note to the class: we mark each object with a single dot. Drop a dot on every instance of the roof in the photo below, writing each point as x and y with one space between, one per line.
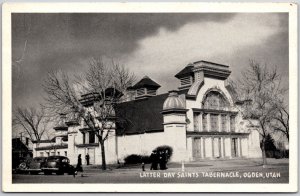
146 82
64 138
186 71
51 147
209 62
42 141
140 116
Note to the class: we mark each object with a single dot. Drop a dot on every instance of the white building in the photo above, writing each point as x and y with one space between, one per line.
201 120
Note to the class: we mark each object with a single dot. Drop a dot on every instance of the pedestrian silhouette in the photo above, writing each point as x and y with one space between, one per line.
162 160
79 164
154 160
87 158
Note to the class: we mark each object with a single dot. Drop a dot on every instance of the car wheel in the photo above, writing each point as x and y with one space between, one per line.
60 172
22 165
47 172
34 173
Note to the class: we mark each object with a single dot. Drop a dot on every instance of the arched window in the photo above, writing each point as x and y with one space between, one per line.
215 100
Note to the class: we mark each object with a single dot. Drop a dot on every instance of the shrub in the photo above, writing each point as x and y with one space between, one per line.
277 154
164 148
135 159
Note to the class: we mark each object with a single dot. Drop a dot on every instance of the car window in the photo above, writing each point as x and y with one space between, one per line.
39 160
66 160
53 159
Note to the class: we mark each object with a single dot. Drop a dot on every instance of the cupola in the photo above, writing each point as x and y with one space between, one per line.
186 77
173 103
146 87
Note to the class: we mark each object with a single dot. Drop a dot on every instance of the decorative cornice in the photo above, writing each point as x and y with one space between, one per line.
216 133
62 135
175 122
174 111
60 128
52 147
72 122
212 70
71 132
86 129
41 141
87 145
138 133
198 110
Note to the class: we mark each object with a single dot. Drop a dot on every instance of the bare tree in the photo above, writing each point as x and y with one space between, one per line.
101 87
34 122
260 90
280 121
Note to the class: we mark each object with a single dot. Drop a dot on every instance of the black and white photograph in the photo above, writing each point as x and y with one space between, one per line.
171 98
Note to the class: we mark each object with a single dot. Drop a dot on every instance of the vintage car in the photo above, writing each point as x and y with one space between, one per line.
31 165
58 165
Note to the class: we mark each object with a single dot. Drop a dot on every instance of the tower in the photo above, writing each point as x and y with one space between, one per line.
61 130
174 118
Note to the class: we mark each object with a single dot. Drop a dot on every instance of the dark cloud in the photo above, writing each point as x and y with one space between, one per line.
66 40
63 40
274 51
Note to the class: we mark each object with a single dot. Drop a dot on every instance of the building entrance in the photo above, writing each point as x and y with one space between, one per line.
197 148
91 152
234 147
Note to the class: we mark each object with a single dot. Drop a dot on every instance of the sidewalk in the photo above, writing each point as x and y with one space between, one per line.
203 165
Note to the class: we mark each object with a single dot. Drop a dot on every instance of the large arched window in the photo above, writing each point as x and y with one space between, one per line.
215 100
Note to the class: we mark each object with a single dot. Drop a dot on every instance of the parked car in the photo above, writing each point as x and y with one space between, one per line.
58 165
31 165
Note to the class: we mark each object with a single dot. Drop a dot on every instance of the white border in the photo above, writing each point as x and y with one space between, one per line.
8 8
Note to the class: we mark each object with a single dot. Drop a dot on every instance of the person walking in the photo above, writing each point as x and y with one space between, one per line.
154 160
160 154
79 164
166 158
87 158
162 160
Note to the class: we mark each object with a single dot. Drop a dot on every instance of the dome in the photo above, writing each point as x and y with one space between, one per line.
173 102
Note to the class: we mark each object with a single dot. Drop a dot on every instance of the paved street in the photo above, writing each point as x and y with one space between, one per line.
221 171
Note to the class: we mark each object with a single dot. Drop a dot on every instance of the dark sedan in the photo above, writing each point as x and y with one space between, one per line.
31 165
58 165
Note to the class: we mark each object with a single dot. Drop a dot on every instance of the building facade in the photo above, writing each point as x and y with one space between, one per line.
200 120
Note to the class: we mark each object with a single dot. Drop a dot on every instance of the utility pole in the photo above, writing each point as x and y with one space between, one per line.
21 155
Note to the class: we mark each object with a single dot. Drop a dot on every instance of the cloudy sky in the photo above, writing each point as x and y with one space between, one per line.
157 45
